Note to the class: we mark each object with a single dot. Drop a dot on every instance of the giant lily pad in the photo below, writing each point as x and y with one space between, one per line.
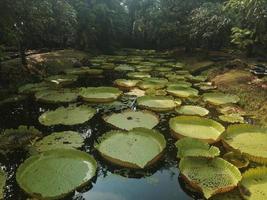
2 183
154 92
254 184
126 83
201 128
123 68
157 103
144 68
236 159
31 88
138 148
16 138
100 94
62 79
67 116
210 176
56 96
59 140
54 174
84 71
180 84
218 98
150 84
192 110
232 118
190 147
138 75
231 109
205 86
129 119
249 140
183 92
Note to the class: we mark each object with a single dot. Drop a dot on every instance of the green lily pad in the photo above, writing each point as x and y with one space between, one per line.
175 77
154 92
54 174
231 109
254 184
190 147
232 118
2 183
147 84
236 159
16 138
138 148
31 88
62 79
13 99
163 69
84 71
192 110
59 140
138 75
205 86
183 92
199 78
107 66
126 83
156 80
143 68
136 92
210 176
100 94
201 128
70 115
157 103
56 96
249 140
124 68
129 119
218 98
180 84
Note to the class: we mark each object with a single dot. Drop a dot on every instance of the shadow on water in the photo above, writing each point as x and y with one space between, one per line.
111 183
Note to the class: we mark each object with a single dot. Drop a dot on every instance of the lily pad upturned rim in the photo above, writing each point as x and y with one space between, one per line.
192 110
107 117
125 83
142 131
229 156
156 98
183 92
237 130
199 120
212 98
60 153
215 162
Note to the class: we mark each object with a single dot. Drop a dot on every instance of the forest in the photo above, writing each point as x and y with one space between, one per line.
133 99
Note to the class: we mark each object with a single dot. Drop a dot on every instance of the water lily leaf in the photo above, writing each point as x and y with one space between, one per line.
123 68
154 92
157 103
236 159
199 78
54 174
59 140
249 140
150 84
70 115
136 92
107 66
201 128
126 83
183 92
129 119
218 98
16 138
31 88
13 99
254 184
62 79
56 96
84 71
143 68
232 118
174 77
192 110
138 75
190 147
205 86
2 183
163 69
138 148
100 94
180 84
231 109
210 176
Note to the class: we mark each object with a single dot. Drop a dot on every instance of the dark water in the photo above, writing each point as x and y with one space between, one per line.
111 183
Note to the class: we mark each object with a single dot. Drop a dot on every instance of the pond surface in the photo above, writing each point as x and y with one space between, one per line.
162 181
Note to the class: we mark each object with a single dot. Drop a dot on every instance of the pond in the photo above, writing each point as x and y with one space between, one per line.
162 180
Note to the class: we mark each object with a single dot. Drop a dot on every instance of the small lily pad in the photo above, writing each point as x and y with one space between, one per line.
138 75
236 159
218 98
138 148
70 115
184 92
84 71
31 88
154 92
129 119
59 140
190 147
201 128
254 184
123 68
62 79
56 96
210 176
54 174
192 110
231 109
157 103
180 84
232 118
126 83
150 84
205 86
100 94
16 138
